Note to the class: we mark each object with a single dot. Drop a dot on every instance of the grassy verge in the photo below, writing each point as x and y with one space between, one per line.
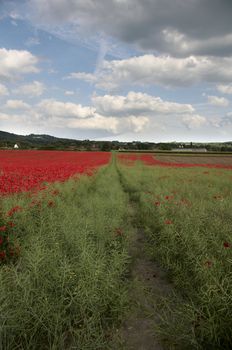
67 288
186 214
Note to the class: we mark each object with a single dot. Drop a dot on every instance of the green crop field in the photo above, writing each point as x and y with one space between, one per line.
87 249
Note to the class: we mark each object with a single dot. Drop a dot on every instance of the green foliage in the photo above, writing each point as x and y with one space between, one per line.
68 289
186 214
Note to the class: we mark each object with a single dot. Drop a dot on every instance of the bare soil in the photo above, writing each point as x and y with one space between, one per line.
148 281
193 159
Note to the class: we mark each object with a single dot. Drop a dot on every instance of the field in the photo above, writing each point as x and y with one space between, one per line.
102 251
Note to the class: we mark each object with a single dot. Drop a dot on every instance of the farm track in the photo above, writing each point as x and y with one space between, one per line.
147 283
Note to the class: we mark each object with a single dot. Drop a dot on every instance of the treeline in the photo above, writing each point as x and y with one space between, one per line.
47 142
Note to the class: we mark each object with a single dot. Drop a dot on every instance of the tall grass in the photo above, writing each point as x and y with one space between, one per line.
186 214
67 289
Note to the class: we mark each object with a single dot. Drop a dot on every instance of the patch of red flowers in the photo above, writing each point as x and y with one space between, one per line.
55 192
168 222
2 255
51 204
35 203
226 245
14 210
27 170
118 232
7 242
11 224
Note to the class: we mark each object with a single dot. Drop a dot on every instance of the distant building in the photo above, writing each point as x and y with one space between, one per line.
16 146
189 150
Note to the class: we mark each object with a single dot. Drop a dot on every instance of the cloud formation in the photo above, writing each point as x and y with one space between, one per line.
225 89
16 104
116 114
159 70
54 108
137 103
14 63
176 27
218 101
3 90
34 89
74 115
194 121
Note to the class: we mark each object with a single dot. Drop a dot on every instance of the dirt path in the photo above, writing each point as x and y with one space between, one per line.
148 282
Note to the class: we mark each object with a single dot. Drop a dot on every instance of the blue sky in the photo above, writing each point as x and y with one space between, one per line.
151 70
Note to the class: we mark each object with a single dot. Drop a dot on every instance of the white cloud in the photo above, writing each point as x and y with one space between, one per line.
16 104
34 89
133 113
77 116
97 122
54 108
50 112
137 124
88 77
160 70
137 103
14 118
225 89
4 116
3 90
14 63
69 93
111 124
218 101
194 121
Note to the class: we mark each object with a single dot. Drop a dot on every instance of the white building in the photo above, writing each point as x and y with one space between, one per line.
16 146
195 150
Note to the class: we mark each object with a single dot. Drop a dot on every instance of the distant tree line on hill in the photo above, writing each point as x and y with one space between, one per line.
47 142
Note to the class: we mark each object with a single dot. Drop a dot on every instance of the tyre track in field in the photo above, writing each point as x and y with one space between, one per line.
147 283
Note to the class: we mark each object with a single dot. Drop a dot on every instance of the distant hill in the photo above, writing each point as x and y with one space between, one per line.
7 140
36 141
33 138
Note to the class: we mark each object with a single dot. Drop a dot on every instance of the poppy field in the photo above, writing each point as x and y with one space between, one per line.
27 170
67 223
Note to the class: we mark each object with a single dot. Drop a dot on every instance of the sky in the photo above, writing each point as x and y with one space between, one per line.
127 70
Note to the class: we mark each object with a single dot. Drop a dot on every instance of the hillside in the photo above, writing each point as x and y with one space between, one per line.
43 141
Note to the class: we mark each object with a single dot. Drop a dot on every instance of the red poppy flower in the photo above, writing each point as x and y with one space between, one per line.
51 204
2 255
226 245
55 192
118 232
13 210
168 222
11 251
11 224
157 203
3 228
